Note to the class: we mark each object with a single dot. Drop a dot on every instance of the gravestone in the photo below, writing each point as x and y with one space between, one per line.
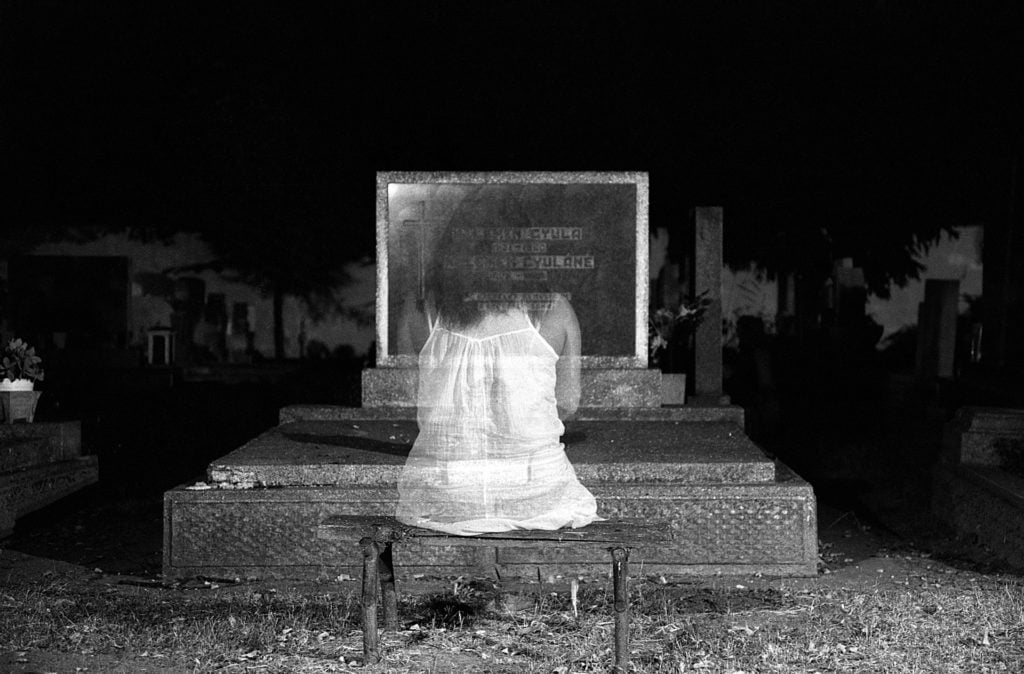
583 235
708 279
936 329
732 509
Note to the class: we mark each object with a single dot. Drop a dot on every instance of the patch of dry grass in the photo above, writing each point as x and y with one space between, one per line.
970 627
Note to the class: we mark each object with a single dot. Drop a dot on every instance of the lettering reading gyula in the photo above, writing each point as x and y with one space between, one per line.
520 233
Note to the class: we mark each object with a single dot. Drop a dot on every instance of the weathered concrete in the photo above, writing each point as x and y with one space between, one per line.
600 387
358 452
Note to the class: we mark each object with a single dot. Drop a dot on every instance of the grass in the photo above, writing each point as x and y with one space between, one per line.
934 623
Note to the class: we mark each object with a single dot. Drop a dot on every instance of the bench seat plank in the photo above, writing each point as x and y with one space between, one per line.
387 529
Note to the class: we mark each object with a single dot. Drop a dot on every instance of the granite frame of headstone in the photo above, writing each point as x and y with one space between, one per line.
578 225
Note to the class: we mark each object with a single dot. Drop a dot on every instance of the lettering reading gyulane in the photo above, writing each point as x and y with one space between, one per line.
563 262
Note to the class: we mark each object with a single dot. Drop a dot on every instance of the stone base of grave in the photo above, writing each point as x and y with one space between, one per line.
985 436
985 506
39 464
978 491
256 515
599 387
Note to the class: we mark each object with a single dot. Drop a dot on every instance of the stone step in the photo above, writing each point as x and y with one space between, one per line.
685 413
23 491
759 527
18 453
600 387
373 452
985 436
983 505
39 443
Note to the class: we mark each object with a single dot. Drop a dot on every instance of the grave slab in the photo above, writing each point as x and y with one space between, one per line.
40 463
24 445
29 489
986 435
366 451
733 510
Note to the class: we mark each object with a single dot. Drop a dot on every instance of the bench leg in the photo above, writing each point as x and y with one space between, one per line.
386 569
620 581
371 554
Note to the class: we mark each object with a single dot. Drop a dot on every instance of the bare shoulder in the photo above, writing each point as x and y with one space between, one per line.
558 324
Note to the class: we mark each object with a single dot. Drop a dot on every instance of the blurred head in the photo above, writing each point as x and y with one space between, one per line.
471 275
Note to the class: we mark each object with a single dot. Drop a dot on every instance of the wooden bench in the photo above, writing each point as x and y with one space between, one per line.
376 535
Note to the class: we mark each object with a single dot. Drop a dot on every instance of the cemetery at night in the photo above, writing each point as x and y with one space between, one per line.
511 338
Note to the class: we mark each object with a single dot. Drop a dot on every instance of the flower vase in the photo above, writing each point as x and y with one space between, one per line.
16 385
18 405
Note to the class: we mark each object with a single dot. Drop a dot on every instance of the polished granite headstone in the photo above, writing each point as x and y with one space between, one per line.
583 235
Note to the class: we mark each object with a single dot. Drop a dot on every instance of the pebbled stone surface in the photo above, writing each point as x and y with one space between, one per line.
373 451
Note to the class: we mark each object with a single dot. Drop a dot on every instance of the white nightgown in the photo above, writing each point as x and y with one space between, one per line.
488 456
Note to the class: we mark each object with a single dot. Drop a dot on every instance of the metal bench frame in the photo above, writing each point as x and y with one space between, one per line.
376 536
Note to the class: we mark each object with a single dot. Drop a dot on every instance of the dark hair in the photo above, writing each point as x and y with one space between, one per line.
466 280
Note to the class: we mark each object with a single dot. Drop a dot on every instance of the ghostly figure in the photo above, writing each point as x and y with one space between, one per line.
498 374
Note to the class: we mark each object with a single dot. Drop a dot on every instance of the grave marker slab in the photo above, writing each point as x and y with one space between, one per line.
581 234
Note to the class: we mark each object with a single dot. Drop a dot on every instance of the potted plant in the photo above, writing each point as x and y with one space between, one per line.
670 344
21 368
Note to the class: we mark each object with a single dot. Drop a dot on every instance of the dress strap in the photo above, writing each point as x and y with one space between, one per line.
532 320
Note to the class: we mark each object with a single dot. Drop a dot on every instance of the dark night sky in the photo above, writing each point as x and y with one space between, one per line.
139 112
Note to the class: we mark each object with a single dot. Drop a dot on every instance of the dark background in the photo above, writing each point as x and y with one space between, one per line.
857 115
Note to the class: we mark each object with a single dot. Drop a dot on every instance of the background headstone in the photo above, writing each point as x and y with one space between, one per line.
707 272
936 329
